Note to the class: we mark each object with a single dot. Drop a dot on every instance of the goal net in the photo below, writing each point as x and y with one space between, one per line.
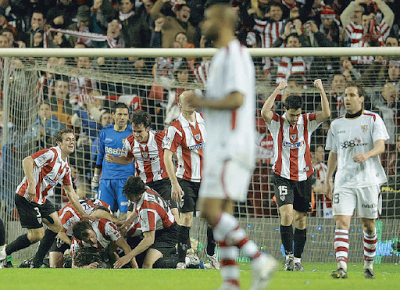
45 90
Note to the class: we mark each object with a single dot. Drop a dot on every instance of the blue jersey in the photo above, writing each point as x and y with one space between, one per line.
111 142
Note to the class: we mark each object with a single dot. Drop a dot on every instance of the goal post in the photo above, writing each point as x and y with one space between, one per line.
81 86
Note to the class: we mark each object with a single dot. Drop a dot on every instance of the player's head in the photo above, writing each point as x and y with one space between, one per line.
218 19
183 104
293 105
83 231
87 255
121 116
134 188
140 122
65 139
354 96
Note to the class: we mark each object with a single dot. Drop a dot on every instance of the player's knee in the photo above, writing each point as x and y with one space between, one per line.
36 235
186 219
147 265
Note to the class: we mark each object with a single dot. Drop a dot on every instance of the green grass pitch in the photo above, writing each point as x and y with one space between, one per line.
316 276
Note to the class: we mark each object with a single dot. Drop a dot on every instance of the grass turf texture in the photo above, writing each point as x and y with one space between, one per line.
316 276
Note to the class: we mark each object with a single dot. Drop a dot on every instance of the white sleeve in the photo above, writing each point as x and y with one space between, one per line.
330 141
126 147
379 131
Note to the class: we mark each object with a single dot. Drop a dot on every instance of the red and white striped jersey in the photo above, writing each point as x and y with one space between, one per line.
153 211
49 171
149 156
201 71
269 32
292 157
187 139
82 85
290 66
324 203
106 232
69 216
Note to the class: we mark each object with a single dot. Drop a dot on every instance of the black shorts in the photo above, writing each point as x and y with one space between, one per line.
166 239
59 246
297 193
191 191
163 188
31 213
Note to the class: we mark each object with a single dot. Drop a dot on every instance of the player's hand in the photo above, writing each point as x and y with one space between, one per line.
318 84
31 193
122 261
93 265
282 85
360 158
176 192
109 158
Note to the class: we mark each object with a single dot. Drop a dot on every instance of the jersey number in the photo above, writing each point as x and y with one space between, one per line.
336 198
282 192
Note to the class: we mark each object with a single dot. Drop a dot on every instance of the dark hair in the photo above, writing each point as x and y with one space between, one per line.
294 35
39 12
134 186
80 230
275 4
293 102
118 106
87 255
62 78
141 117
59 135
297 79
360 89
102 207
179 8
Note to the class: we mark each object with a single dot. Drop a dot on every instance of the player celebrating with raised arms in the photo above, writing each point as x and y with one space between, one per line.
292 167
355 142
229 157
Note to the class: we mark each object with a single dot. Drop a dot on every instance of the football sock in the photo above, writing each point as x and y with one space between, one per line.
44 247
2 233
341 248
20 243
370 242
184 242
300 238
210 242
228 231
229 267
287 239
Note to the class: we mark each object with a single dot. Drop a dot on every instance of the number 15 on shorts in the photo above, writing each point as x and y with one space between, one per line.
282 192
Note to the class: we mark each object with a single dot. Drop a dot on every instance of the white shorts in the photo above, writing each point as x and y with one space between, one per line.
366 201
225 180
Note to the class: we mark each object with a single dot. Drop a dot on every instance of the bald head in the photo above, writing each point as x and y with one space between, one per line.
183 103
219 19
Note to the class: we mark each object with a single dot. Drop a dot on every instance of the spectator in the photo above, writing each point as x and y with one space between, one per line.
144 12
324 206
38 21
338 86
355 21
4 22
385 103
173 25
330 26
60 104
80 84
392 41
62 14
3 41
295 65
83 17
45 127
393 73
391 163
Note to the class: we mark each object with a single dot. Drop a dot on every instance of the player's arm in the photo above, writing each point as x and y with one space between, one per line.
121 160
326 112
144 244
73 198
378 149
266 111
102 214
62 235
231 101
121 242
332 163
176 190
28 164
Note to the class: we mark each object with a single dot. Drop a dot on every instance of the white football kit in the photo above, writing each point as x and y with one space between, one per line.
229 156
357 184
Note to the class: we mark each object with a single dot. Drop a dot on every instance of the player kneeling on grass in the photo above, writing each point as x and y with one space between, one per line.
101 235
157 223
